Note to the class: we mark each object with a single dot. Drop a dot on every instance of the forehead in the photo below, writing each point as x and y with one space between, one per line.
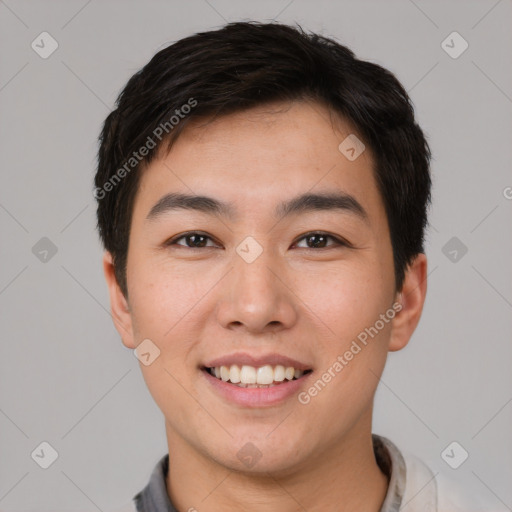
256 158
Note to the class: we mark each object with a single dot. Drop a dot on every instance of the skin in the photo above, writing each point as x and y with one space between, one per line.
308 303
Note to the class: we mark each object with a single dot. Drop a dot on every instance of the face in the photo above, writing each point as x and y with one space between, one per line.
258 285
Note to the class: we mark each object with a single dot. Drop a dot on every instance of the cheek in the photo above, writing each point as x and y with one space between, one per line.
346 306
347 377
164 304
343 301
169 307
161 298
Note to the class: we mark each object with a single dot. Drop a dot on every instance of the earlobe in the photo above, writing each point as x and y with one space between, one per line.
412 298
119 307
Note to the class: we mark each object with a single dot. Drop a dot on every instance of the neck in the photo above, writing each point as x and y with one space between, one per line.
343 478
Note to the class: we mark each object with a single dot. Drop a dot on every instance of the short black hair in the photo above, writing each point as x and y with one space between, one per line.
243 65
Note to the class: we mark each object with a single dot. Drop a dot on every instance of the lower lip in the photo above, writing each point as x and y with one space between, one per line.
256 397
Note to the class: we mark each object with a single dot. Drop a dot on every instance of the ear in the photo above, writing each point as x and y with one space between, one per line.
412 298
119 307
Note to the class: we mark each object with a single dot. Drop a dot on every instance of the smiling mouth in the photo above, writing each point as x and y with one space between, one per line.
256 377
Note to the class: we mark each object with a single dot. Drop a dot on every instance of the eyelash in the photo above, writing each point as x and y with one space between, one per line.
339 242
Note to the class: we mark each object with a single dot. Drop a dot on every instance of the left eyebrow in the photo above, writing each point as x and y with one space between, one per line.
301 204
322 201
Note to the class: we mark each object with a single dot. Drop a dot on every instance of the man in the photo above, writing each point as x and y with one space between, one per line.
262 199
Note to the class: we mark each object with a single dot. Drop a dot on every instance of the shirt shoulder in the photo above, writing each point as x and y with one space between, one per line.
426 491
414 487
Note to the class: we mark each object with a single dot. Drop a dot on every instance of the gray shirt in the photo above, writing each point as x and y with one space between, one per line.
412 487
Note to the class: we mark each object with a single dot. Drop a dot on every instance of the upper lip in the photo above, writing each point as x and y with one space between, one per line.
244 358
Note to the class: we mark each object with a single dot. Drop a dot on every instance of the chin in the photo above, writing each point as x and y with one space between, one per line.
255 451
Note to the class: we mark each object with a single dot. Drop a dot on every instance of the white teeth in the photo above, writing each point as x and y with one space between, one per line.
234 374
279 373
248 375
224 373
251 377
265 375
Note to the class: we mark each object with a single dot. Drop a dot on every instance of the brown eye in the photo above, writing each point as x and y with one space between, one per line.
319 241
193 240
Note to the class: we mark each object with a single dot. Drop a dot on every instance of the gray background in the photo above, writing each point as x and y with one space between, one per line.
65 376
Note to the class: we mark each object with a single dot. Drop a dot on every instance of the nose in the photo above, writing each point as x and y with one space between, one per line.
256 297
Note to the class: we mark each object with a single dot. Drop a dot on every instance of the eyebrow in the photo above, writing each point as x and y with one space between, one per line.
303 203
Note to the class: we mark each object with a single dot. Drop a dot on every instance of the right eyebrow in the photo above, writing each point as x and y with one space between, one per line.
205 204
